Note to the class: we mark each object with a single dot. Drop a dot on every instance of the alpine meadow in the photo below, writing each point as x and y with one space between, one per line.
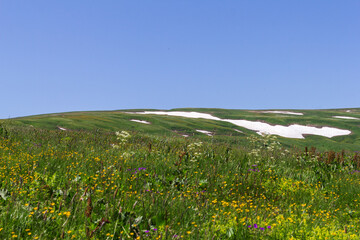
100 175
179 120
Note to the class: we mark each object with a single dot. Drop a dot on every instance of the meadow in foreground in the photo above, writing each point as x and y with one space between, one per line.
101 185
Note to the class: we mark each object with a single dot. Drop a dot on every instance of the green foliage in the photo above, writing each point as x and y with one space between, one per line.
77 185
224 132
3 130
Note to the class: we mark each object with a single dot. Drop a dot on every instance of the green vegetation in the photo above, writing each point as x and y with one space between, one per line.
95 184
224 132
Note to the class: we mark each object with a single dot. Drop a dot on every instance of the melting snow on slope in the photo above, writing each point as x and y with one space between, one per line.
283 112
140 121
346 117
183 114
205 132
238 130
292 131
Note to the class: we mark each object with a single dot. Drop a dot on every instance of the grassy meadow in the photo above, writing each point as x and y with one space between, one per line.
98 184
224 132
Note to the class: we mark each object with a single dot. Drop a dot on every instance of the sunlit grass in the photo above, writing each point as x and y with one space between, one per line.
98 185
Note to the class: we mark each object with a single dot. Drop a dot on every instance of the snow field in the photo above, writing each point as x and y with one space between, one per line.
291 131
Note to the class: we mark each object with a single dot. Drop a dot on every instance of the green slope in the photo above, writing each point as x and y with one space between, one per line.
223 131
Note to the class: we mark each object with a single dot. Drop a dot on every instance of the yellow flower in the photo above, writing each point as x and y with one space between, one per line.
67 214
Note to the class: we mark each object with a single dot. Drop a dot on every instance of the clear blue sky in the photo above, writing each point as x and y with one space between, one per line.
66 55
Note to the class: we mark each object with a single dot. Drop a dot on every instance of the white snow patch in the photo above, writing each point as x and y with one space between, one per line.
346 117
237 130
348 111
140 121
284 112
205 132
61 128
185 135
292 131
183 114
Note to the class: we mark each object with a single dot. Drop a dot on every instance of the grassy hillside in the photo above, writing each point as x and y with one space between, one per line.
223 131
97 185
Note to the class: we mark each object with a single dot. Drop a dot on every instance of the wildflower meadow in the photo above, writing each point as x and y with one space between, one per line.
126 185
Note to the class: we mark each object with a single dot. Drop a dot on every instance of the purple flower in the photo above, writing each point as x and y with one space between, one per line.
262 228
255 225
136 170
269 227
249 226
155 229
147 231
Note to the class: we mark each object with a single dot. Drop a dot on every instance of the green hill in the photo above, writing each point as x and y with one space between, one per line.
70 176
175 126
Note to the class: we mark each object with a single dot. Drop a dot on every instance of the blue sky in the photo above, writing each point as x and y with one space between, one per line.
58 56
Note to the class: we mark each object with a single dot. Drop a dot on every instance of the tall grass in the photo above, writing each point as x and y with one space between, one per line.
77 185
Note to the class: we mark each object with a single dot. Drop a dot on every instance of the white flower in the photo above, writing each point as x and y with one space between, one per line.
123 137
